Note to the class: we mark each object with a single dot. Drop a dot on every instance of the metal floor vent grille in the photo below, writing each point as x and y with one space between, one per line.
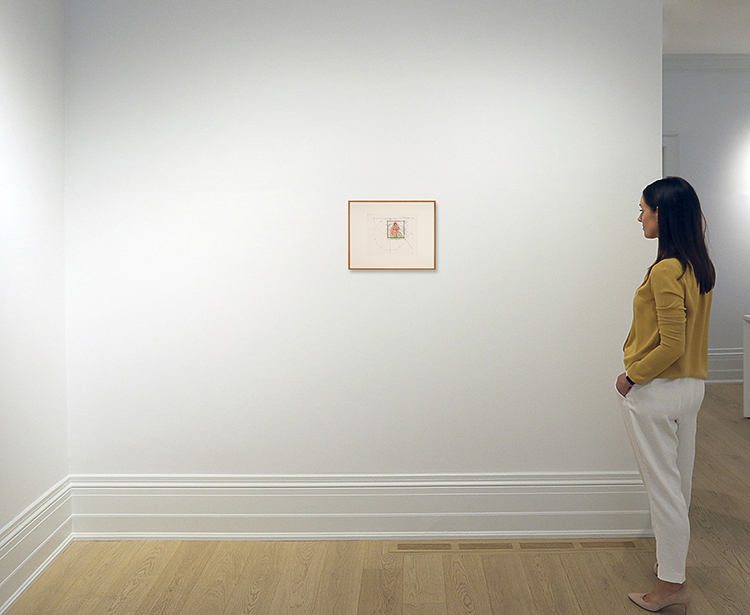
522 546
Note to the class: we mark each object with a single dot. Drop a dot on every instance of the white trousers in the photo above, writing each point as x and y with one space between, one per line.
660 417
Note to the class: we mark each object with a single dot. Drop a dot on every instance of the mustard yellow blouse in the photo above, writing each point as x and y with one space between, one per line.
669 334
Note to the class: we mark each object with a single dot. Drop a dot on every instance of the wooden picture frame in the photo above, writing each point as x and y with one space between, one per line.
392 235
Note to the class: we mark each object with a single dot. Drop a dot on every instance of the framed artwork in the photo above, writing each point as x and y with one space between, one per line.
392 234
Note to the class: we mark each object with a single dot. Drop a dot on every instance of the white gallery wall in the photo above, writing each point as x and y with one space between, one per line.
33 422
33 440
707 115
214 330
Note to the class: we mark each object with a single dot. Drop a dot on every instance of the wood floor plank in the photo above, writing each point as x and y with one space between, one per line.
721 439
47 592
381 585
341 579
700 602
628 572
730 491
177 580
425 609
704 540
260 577
550 585
214 589
151 560
381 592
726 537
719 472
424 584
97 586
301 577
379 557
724 592
507 584
592 585
465 585
726 403
123 582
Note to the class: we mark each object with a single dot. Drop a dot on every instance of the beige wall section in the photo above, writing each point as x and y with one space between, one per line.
212 149
33 429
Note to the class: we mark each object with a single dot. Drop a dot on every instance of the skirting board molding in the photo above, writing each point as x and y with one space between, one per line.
707 61
725 366
32 541
359 507
332 507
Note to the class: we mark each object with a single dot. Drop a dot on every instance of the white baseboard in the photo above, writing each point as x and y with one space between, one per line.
725 366
359 507
32 541
611 504
707 61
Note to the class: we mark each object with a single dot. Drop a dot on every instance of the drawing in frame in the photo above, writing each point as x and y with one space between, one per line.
392 234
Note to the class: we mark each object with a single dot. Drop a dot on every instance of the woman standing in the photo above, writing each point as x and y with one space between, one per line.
666 362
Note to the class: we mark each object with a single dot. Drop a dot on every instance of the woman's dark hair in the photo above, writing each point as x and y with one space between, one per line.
682 228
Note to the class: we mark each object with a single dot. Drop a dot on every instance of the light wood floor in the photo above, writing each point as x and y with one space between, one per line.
367 578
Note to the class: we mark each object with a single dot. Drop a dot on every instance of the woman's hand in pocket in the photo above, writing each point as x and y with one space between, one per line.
622 385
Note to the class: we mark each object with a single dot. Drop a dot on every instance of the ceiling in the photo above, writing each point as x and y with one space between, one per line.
706 26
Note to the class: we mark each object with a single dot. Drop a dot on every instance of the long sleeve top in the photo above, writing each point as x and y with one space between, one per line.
669 334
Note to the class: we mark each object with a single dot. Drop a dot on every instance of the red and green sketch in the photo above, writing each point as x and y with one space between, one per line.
396 229
391 235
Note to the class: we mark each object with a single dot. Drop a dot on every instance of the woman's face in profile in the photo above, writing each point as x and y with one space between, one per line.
649 218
